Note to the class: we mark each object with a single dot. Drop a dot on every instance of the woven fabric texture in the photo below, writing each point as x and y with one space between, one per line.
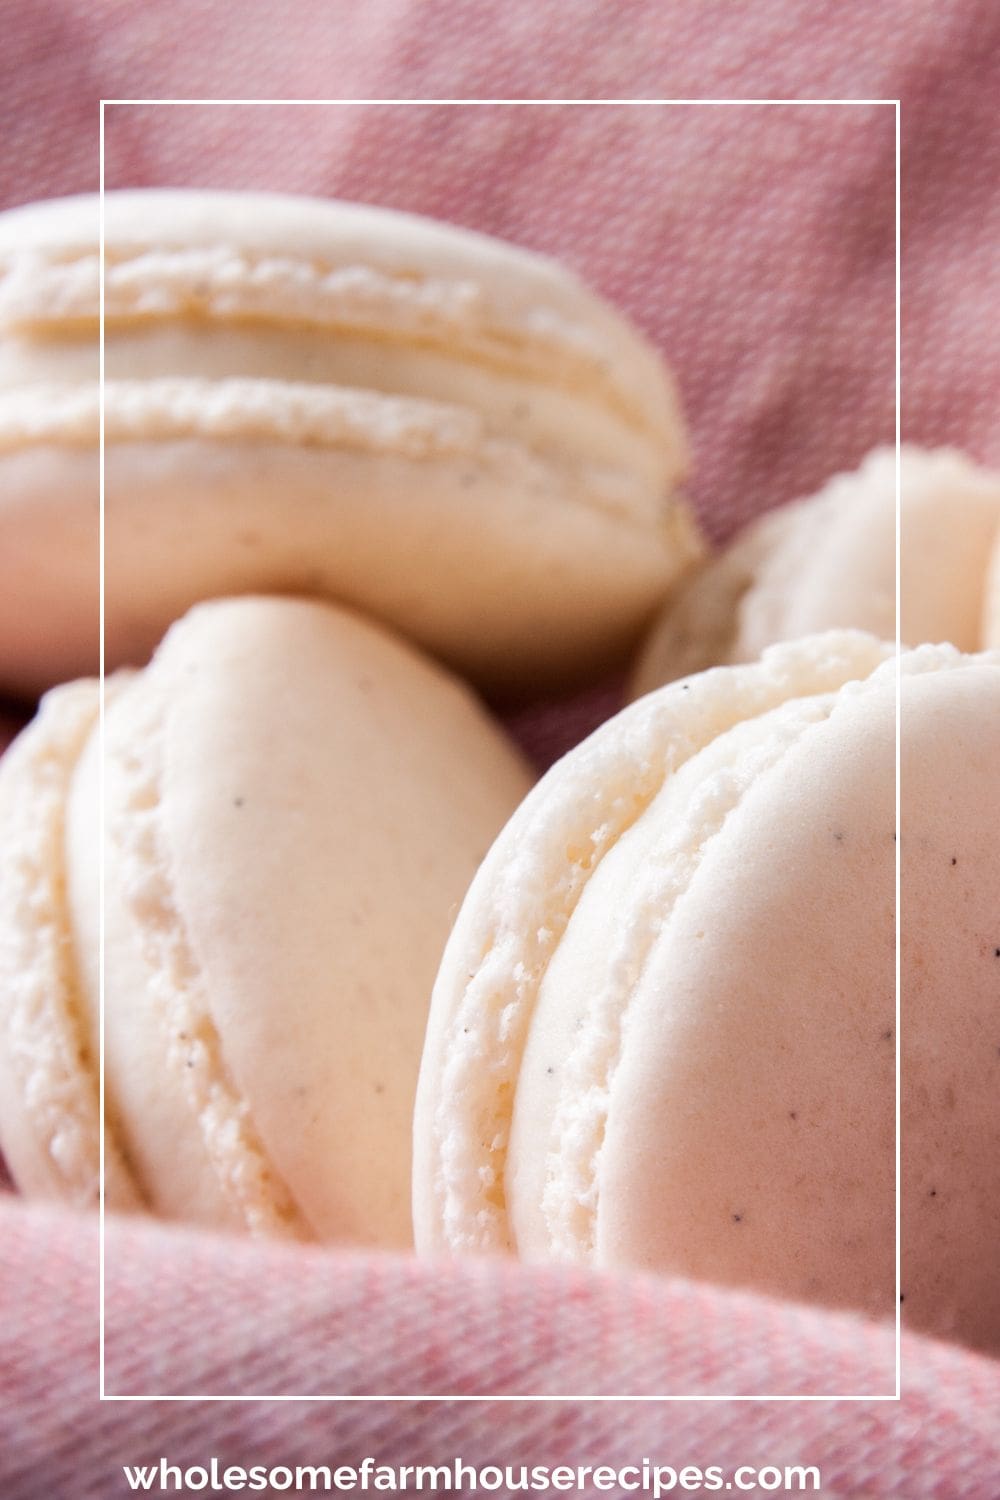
191 1314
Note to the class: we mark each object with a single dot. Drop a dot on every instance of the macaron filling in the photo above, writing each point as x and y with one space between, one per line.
199 1111
223 284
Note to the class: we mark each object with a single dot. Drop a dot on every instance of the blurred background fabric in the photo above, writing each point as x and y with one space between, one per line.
754 244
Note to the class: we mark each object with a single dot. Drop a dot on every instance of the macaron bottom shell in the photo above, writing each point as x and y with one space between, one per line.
49 541
510 577
512 573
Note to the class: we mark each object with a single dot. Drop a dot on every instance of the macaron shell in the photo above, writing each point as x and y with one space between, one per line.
949 522
750 1135
833 566
426 545
837 566
322 798
950 1037
502 540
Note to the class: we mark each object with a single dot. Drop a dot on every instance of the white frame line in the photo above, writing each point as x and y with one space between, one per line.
542 103
899 826
103 1394
100 733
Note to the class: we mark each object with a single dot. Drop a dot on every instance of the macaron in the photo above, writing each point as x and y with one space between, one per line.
663 1032
294 804
829 561
446 431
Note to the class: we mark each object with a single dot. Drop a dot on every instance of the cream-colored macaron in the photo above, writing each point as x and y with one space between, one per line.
295 803
662 1035
830 562
316 397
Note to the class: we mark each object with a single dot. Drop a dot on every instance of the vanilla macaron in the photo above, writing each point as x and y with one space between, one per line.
444 430
663 1032
295 802
829 561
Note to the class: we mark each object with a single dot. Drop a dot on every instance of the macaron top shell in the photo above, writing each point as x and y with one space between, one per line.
275 258
217 285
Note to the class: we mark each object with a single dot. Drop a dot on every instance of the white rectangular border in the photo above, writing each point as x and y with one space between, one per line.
592 103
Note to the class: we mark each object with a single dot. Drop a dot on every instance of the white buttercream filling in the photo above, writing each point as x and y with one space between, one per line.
676 829
311 416
325 416
222 283
176 994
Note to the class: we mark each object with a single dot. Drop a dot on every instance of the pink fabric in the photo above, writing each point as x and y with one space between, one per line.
755 247
194 1313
